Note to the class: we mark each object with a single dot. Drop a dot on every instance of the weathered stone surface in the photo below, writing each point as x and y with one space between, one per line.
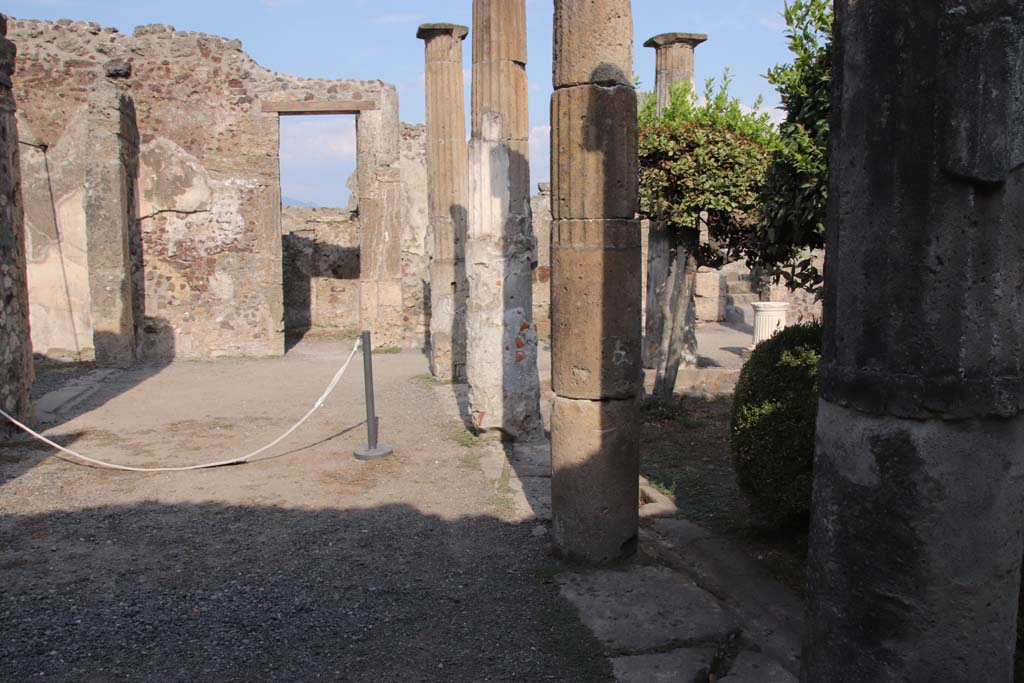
540 208
501 247
687 664
503 395
417 242
596 283
118 68
446 162
594 491
647 609
172 180
915 542
110 205
930 515
53 181
750 667
595 309
593 43
950 345
593 152
213 251
321 270
15 346
673 62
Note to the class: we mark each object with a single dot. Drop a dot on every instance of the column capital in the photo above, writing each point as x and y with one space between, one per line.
668 39
428 31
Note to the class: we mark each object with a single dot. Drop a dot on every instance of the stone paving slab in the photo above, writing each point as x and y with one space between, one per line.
51 407
644 610
687 664
772 615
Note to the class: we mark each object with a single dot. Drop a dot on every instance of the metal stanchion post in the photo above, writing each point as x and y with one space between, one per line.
372 450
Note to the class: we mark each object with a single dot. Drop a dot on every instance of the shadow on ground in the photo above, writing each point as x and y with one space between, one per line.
156 592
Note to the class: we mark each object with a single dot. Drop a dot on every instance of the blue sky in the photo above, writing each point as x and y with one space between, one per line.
376 39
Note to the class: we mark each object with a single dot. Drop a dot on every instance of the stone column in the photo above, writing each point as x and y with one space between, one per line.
915 545
769 320
15 347
674 63
446 187
595 282
110 219
503 394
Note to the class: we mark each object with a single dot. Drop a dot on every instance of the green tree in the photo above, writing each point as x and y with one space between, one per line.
795 193
701 162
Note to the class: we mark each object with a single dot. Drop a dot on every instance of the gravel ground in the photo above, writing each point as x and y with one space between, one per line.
304 566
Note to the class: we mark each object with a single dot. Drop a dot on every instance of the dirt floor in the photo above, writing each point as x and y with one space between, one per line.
306 565
685 453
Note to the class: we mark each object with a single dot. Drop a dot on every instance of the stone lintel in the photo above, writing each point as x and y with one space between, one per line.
428 31
666 39
318 108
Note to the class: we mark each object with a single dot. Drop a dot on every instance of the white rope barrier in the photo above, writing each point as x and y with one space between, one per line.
222 463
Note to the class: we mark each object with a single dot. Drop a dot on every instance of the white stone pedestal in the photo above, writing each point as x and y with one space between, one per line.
769 319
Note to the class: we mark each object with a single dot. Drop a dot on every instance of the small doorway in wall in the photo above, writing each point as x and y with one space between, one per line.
319 231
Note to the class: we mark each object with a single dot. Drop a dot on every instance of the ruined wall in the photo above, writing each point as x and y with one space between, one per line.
53 183
540 207
417 242
209 180
321 248
321 270
15 350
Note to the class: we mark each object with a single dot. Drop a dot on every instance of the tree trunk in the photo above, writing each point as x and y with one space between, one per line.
679 339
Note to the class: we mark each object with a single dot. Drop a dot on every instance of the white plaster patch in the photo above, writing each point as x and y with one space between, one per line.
171 179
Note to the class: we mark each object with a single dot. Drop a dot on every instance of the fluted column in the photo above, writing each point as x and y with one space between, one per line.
673 62
595 284
504 387
915 544
500 85
446 189
15 345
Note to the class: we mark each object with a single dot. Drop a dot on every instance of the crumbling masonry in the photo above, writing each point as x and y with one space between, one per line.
500 252
208 218
15 350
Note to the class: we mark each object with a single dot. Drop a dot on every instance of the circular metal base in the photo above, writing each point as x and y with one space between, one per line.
367 453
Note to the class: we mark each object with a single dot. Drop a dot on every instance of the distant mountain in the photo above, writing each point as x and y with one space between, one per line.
292 201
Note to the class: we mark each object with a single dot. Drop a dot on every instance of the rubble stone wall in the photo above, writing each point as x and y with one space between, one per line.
209 182
417 242
321 270
15 349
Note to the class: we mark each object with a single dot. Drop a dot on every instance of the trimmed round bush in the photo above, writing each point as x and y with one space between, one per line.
773 420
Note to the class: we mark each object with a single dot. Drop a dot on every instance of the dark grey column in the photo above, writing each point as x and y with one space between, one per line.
916 531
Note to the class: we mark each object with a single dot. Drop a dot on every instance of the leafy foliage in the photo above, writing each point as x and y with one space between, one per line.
704 156
795 192
774 413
